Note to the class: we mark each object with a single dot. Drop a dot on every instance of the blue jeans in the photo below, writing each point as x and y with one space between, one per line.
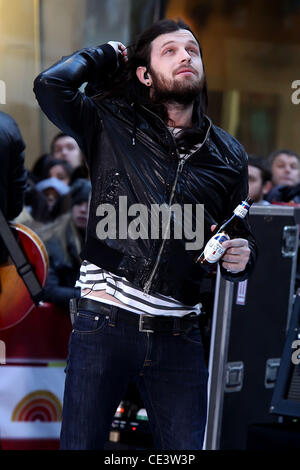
106 353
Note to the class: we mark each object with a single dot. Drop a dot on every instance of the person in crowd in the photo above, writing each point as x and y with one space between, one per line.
285 168
47 200
13 175
46 194
64 240
53 189
64 147
259 179
285 165
147 138
59 169
35 210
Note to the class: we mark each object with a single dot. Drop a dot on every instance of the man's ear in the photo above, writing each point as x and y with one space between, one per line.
142 73
267 187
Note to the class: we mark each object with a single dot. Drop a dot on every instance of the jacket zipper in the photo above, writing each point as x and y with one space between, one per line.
181 161
149 282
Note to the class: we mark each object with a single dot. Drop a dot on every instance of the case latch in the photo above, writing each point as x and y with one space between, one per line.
289 241
234 376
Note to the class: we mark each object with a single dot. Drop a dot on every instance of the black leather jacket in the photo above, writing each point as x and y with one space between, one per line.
130 152
13 175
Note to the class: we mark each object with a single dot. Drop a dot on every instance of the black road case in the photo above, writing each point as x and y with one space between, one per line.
249 327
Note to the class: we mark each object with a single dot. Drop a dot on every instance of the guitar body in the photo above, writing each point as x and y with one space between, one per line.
15 300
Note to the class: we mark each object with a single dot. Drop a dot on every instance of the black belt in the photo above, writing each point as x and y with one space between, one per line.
145 322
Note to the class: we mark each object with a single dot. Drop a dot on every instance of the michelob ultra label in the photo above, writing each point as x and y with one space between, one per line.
242 209
214 248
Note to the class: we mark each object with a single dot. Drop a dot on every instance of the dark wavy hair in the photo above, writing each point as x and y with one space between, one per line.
288 152
259 162
125 82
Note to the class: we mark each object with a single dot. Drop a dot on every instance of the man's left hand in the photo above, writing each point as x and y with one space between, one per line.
236 255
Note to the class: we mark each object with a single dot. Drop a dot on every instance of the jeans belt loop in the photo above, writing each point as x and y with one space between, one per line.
113 315
176 326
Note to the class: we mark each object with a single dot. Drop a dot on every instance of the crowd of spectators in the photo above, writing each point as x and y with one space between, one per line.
275 179
56 208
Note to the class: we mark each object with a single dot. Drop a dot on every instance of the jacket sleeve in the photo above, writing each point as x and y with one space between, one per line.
55 293
18 173
240 193
57 92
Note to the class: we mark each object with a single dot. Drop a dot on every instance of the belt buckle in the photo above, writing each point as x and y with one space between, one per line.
141 322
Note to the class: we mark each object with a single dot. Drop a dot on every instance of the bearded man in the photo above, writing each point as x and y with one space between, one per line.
142 127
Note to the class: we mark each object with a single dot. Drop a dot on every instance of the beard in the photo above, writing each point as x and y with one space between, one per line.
178 91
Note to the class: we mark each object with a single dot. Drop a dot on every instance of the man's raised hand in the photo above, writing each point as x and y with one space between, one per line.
120 49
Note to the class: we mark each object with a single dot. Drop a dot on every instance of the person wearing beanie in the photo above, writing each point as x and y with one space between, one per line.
80 193
47 200
53 188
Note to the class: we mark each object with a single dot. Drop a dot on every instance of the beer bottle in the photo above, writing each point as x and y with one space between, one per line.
214 249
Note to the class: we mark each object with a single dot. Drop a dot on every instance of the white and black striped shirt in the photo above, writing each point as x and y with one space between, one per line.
134 299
